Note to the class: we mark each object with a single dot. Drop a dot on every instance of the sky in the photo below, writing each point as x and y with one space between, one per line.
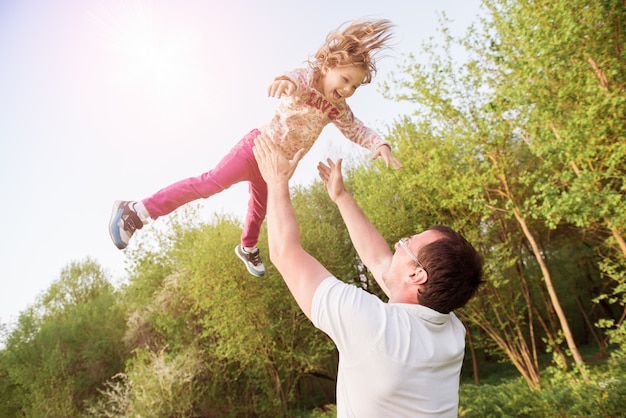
103 100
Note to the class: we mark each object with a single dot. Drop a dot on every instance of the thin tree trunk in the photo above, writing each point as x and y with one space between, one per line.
470 343
601 344
553 296
619 238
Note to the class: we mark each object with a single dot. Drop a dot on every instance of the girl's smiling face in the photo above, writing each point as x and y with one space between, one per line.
340 82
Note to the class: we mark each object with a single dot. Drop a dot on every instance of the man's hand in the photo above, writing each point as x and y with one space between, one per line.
332 178
280 88
272 163
385 152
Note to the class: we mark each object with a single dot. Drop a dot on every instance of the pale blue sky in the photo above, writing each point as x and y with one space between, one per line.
113 99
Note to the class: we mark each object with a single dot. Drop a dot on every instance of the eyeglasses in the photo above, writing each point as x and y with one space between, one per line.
404 243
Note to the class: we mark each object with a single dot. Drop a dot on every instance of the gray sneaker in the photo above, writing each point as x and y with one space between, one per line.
252 260
123 223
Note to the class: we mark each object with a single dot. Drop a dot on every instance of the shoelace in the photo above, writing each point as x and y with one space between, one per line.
132 222
255 258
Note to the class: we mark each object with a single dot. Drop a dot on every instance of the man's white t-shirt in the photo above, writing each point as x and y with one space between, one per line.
395 360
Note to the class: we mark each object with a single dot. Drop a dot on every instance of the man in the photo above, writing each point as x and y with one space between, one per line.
397 359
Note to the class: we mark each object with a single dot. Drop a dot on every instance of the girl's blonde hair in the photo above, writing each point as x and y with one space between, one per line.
356 44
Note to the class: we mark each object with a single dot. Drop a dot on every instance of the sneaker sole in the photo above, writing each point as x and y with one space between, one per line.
114 230
250 270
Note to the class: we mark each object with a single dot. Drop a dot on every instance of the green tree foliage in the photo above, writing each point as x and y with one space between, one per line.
560 84
562 71
65 346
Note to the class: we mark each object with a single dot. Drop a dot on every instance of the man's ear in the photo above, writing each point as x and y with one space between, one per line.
419 276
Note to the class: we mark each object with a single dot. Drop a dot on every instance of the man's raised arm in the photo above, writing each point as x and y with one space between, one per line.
368 242
301 272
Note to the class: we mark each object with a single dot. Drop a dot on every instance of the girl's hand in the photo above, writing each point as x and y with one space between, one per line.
385 152
280 88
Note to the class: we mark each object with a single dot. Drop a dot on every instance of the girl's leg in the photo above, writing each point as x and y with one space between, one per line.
257 208
233 168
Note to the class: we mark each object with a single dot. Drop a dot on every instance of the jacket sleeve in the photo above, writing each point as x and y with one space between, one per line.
356 131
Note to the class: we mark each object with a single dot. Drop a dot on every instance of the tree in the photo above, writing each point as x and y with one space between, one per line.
562 72
480 111
66 345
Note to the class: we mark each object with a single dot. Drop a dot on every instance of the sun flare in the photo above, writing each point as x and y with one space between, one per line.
143 51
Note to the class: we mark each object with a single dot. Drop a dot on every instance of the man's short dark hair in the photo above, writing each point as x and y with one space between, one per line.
455 271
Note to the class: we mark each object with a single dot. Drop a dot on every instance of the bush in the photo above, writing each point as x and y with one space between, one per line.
563 394
157 385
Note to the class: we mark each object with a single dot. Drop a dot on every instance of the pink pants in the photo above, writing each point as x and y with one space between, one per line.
237 166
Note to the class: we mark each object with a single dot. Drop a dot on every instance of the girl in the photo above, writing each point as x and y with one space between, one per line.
314 97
